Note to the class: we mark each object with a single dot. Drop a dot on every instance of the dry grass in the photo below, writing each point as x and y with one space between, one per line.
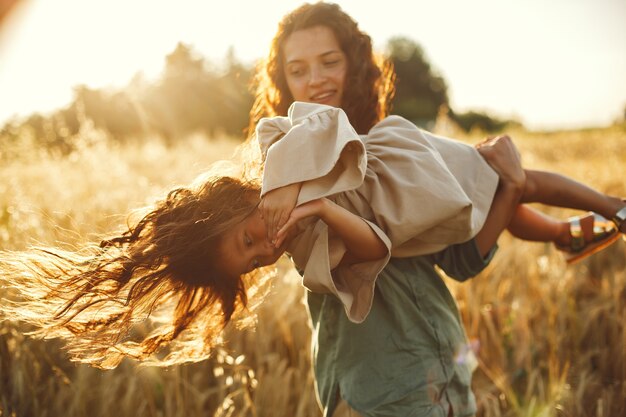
552 339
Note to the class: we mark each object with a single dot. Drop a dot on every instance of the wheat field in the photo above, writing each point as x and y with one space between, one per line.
551 338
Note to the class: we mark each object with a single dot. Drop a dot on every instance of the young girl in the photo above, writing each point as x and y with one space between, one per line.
397 168
425 192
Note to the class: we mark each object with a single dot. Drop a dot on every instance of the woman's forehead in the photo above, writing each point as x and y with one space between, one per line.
310 42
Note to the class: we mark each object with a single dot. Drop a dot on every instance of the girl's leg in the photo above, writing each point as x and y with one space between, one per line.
530 224
560 191
580 237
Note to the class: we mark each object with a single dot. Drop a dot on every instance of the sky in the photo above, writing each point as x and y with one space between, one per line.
551 64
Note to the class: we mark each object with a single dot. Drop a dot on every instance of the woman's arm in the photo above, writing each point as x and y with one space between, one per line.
465 260
362 243
502 155
503 207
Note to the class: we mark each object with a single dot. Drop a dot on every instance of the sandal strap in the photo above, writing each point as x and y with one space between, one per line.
601 226
619 218
577 241
601 229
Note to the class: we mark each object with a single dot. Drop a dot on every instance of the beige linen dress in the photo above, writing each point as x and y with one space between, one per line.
417 191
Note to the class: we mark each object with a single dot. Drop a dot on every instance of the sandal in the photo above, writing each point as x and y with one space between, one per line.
619 219
604 234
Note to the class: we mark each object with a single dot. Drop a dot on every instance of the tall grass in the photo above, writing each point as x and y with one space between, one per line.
551 337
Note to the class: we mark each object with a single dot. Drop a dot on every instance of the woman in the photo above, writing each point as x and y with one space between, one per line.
409 368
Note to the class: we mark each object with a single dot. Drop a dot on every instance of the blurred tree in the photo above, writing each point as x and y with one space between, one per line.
111 111
185 101
182 63
191 98
473 120
235 94
36 123
420 91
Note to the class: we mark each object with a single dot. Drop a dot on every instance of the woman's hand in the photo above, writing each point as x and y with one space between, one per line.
276 207
502 155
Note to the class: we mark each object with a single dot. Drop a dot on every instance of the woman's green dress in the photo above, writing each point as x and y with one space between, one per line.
410 356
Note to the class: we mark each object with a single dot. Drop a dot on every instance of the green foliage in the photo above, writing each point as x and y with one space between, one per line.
420 91
473 120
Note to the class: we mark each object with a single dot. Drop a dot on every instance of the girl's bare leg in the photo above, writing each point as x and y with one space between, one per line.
530 224
559 191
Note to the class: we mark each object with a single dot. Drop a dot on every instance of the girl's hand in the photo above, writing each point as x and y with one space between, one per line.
312 208
276 207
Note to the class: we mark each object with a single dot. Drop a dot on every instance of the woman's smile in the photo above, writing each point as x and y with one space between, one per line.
324 97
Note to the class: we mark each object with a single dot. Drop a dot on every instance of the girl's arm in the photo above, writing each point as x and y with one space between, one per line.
362 243
276 207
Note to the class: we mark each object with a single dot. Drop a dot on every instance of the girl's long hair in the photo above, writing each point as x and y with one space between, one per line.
369 81
163 268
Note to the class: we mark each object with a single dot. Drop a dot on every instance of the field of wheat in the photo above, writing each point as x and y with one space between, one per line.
552 339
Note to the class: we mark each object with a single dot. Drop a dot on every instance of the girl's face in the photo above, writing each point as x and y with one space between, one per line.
315 66
246 247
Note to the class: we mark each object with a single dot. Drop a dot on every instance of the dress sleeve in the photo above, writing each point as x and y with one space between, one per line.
463 261
314 145
317 253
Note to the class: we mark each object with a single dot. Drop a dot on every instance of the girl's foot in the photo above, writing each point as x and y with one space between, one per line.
588 234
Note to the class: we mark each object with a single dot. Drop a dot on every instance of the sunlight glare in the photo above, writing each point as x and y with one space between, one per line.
551 64
71 42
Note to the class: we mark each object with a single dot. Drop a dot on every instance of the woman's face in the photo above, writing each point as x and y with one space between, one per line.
315 66
246 247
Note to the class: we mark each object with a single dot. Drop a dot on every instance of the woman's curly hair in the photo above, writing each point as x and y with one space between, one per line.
163 267
369 81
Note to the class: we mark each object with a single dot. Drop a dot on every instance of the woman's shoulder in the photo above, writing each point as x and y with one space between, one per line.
395 125
394 122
